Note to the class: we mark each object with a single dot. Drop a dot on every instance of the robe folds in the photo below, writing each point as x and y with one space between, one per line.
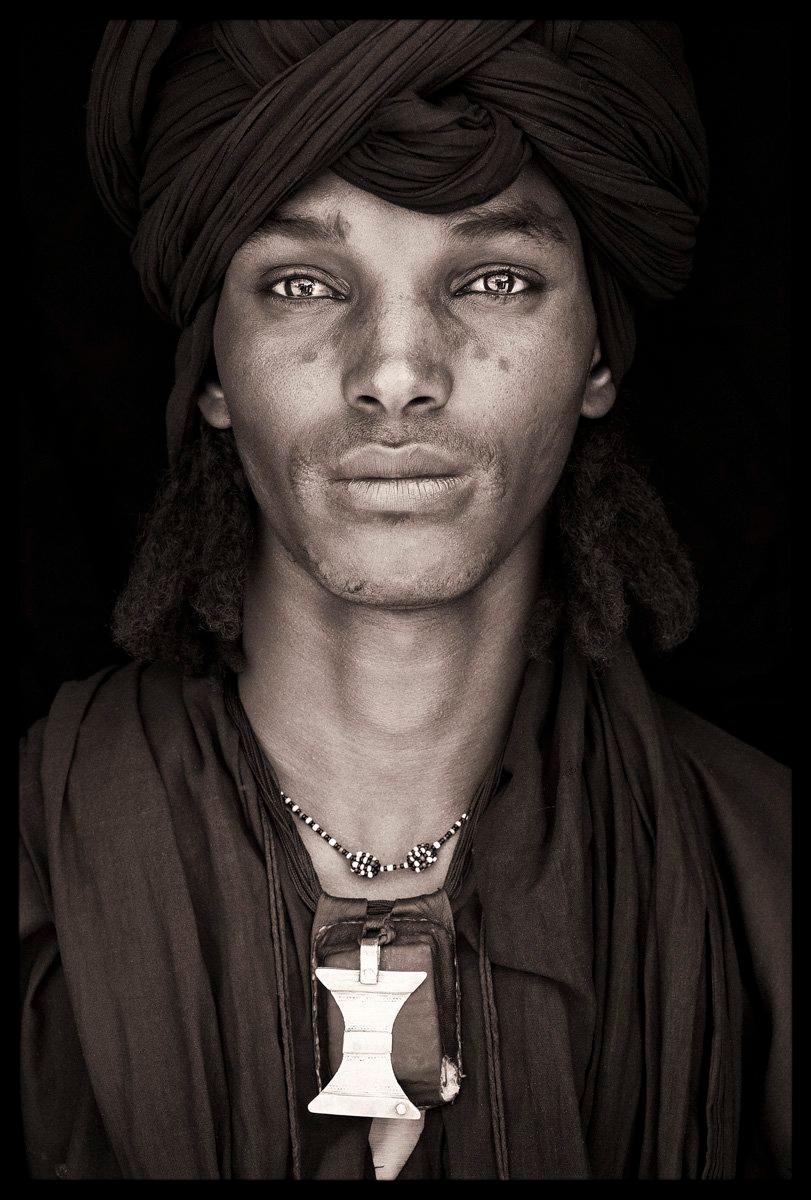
621 905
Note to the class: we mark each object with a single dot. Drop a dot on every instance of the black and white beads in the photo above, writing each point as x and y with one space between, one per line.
361 862
364 864
422 855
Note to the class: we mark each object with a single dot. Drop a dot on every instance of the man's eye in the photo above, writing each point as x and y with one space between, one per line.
302 287
498 283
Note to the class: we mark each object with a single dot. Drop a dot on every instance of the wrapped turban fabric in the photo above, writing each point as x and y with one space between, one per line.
196 131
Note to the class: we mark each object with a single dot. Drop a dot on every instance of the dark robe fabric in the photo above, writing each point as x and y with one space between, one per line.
622 927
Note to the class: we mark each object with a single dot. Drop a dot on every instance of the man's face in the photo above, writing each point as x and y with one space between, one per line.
404 387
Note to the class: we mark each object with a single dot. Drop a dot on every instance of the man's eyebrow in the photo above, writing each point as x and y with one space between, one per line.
526 217
314 228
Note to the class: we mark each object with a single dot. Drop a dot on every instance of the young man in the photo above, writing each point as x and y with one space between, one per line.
386 590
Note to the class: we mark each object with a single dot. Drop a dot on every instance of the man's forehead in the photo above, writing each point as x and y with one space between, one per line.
330 210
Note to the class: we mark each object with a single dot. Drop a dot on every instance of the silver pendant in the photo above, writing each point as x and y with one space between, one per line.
369 999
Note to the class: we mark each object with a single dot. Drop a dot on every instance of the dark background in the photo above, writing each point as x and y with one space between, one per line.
712 368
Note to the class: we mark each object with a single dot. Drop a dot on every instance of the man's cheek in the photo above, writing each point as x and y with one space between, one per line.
262 454
540 447
265 412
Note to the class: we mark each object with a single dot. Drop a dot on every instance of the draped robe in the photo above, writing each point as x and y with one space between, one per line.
621 913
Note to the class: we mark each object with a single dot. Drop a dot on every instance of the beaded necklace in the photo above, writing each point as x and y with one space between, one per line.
419 857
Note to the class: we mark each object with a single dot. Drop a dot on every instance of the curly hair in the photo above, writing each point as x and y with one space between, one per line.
611 560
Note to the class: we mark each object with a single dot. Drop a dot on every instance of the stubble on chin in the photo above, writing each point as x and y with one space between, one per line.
397 592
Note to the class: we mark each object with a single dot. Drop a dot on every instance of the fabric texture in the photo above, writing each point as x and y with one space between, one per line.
197 131
621 911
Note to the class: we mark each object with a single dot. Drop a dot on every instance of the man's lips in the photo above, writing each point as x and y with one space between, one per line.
413 461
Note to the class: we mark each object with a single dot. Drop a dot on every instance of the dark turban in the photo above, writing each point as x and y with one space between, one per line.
197 131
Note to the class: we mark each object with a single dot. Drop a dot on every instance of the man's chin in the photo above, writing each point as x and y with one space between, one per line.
423 586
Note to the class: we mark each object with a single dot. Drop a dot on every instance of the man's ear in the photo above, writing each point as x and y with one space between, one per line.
599 393
212 404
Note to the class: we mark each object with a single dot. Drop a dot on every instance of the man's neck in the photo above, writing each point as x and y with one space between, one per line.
381 723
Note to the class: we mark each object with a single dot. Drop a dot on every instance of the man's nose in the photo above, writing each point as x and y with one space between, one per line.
398 362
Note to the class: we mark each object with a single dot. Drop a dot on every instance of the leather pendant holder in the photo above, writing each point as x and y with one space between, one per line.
392 967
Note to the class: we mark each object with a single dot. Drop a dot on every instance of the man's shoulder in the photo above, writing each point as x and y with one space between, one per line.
120 724
116 700
720 752
746 793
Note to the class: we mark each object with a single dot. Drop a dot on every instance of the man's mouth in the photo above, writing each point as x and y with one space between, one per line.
413 462
410 485
401 479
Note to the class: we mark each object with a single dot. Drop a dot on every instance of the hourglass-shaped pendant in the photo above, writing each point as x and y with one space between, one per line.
369 999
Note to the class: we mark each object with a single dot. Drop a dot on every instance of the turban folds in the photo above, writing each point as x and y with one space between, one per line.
197 131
